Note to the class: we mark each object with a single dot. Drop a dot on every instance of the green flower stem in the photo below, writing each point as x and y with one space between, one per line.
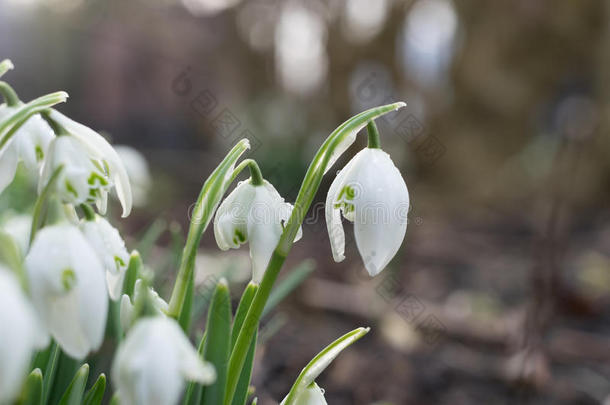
256 176
9 95
373 133
9 126
211 193
57 128
5 66
310 186
41 203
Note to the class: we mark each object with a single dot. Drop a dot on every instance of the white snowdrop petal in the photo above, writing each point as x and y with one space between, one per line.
230 222
21 334
153 361
8 166
333 213
68 288
101 149
370 192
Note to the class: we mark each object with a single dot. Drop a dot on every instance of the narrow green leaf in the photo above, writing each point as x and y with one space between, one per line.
242 310
132 273
218 340
49 372
96 393
76 389
32 389
294 278
243 384
187 307
320 362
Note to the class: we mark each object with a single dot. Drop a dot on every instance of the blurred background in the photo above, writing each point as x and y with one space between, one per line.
501 291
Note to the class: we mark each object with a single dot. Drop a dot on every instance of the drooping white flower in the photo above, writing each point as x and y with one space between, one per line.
21 333
96 149
370 192
18 226
313 395
110 249
82 179
254 214
28 145
153 362
68 289
138 171
158 304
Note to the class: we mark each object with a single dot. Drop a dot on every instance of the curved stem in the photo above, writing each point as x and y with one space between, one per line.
373 133
212 191
9 94
310 186
255 172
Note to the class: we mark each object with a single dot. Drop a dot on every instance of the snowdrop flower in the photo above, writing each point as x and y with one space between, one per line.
29 145
313 395
159 306
67 285
91 166
21 334
110 249
153 362
370 192
254 214
18 226
138 171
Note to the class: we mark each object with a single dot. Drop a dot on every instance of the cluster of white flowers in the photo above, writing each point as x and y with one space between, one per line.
66 271
70 268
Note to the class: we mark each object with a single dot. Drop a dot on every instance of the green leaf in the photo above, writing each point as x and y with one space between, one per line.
294 278
76 389
211 193
187 307
32 389
218 340
320 362
49 372
243 384
96 393
242 310
132 273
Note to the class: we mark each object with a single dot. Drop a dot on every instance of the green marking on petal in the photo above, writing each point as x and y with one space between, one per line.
68 279
39 153
70 188
240 236
119 262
